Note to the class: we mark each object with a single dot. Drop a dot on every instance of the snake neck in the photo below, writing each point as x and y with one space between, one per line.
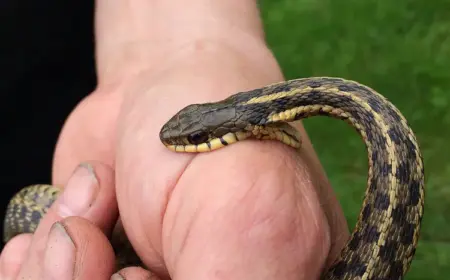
388 226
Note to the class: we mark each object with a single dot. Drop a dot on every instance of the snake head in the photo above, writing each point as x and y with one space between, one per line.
198 125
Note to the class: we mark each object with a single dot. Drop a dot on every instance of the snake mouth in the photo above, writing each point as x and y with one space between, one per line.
212 144
283 133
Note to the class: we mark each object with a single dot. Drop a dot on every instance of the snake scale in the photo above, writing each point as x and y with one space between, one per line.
385 237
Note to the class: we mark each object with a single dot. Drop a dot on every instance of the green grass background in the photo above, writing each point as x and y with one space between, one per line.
399 48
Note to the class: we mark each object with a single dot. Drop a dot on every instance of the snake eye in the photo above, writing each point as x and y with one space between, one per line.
198 137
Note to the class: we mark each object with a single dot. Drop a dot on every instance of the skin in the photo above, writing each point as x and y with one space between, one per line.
255 210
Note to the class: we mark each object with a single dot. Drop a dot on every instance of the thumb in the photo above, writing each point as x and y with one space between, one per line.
77 249
89 194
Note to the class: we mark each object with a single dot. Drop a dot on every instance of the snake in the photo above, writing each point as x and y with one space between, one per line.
383 242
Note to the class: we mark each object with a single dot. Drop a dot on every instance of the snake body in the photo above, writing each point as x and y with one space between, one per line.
385 237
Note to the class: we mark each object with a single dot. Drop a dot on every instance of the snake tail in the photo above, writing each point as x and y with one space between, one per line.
26 209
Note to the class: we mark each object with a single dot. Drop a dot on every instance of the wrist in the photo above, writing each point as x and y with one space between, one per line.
145 35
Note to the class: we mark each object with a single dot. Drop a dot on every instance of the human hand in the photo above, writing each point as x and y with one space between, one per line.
71 240
252 210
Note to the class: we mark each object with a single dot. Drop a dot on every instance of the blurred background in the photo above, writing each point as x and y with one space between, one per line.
401 49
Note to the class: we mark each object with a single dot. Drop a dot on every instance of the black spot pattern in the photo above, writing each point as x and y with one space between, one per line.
385 169
281 102
373 185
363 90
408 234
239 97
414 193
366 212
393 114
396 271
381 201
345 88
381 143
410 145
315 95
374 104
314 84
225 143
371 234
375 155
339 269
399 214
301 115
322 113
395 135
356 267
36 217
23 211
354 242
403 170
283 87
35 196
255 114
359 269
387 251
15 208
369 135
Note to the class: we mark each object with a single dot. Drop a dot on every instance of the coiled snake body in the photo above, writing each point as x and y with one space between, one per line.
384 240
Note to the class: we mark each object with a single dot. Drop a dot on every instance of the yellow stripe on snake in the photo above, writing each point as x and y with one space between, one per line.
385 237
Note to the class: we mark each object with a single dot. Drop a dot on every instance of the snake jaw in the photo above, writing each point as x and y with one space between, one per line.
212 144
282 132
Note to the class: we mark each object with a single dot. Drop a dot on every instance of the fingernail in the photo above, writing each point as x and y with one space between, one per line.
59 259
117 276
80 192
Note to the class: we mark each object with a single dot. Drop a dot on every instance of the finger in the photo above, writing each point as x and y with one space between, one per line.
134 273
13 255
89 194
77 249
86 135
